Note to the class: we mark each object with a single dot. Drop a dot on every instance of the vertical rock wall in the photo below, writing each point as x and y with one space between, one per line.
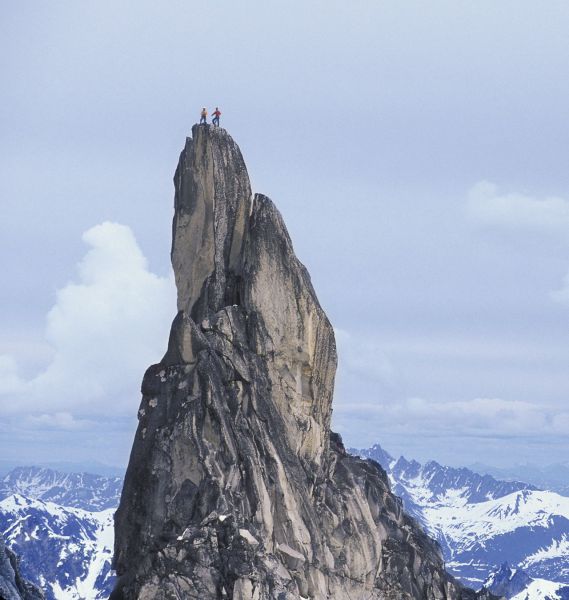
236 487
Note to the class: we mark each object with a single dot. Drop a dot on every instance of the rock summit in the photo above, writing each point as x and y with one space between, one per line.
236 487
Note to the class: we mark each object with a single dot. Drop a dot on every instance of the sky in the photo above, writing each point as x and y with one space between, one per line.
417 151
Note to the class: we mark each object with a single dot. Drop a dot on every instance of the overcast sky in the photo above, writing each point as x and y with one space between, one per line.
418 153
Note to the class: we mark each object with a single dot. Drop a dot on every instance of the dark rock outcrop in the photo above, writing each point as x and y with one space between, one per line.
12 585
508 582
236 488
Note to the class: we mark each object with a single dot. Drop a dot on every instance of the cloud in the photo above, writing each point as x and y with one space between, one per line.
59 420
488 206
10 381
363 357
562 295
517 211
105 328
480 417
372 376
560 424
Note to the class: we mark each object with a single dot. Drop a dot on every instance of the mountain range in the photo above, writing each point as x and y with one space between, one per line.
61 526
481 522
554 477
79 490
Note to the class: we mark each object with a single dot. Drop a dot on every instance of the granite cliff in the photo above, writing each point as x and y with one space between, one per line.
12 585
236 488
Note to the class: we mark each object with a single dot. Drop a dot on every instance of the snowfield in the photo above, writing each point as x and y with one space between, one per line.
539 589
466 524
71 547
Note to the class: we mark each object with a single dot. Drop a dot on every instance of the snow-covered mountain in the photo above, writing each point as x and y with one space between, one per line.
80 490
553 477
480 522
65 546
66 551
516 584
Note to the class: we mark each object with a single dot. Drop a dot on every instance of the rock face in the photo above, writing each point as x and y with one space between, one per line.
12 585
509 582
236 488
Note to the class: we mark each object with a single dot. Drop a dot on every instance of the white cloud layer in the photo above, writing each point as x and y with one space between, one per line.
482 417
10 381
363 356
562 295
489 206
105 329
375 403
59 420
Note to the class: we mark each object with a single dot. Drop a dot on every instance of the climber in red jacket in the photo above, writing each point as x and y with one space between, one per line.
216 114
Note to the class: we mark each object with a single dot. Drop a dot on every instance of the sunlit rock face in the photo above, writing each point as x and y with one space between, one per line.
236 488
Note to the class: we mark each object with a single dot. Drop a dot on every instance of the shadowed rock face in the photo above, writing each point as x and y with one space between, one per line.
236 488
12 585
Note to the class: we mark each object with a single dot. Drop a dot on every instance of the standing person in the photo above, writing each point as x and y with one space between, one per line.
216 115
203 118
